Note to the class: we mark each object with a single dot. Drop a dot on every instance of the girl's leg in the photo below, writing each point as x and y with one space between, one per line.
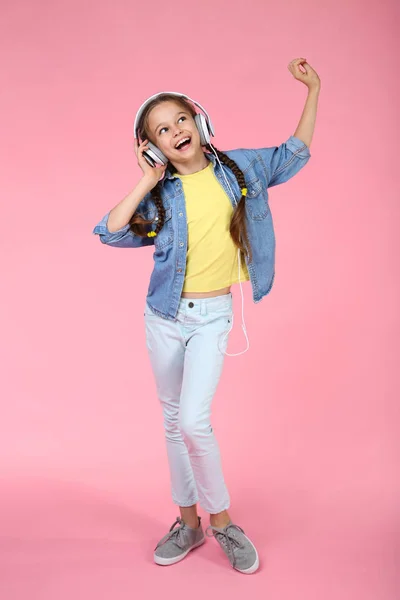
189 516
166 348
220 519
206 323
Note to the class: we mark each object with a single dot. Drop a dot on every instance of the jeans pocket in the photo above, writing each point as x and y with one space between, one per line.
223 337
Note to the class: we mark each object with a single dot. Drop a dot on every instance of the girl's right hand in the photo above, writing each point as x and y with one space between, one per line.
152 174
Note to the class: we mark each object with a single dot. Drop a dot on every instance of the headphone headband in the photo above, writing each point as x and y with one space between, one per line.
179 95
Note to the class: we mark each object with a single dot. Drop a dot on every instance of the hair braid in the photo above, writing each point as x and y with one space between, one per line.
156 195
238 229
138 223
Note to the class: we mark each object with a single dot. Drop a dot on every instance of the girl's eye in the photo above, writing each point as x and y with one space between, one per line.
165 128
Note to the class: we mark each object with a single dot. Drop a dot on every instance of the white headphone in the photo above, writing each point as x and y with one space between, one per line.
154 156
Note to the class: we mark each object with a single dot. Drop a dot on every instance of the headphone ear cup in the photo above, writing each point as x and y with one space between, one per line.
202 127
154 156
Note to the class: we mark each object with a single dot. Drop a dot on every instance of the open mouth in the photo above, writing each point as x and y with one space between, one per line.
184 144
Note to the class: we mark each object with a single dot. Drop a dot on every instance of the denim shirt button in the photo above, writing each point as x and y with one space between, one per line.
181 214
181 244
179 270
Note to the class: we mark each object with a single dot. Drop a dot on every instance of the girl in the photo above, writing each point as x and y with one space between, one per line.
198 206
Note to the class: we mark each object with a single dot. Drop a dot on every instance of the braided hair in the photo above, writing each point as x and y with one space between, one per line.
238 230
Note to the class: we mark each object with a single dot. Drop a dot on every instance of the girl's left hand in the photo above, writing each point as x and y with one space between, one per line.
309 78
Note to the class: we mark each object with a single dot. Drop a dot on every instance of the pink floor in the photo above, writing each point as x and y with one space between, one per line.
62 540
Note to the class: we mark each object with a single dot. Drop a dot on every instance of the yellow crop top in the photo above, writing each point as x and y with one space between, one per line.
212 257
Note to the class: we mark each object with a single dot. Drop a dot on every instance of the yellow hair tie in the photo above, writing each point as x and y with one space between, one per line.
244 191
151 234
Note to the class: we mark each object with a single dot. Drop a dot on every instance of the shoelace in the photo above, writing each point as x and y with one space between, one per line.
227 539
175 535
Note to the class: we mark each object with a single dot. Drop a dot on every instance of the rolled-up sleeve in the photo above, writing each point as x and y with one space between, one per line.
122 238
284 161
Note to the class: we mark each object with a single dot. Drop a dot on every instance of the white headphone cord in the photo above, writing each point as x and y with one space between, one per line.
239 265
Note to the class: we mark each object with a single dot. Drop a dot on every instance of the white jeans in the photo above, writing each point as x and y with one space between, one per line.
187 362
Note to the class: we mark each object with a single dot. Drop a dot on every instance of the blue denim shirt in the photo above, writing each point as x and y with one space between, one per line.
262 169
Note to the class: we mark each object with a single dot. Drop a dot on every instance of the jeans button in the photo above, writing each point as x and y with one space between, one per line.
191 304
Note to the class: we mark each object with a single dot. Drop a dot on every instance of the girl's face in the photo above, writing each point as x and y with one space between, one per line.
168 124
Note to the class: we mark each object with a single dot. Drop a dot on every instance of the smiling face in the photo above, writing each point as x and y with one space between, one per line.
172 128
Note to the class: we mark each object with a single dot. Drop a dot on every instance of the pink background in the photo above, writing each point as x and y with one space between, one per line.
308 419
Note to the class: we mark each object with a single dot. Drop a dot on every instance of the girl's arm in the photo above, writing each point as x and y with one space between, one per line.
305 128
114 228
282 162
122 213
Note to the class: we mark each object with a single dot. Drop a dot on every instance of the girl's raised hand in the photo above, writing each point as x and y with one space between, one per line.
153 174
309 78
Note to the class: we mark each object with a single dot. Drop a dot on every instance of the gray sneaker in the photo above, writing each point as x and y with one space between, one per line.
237 546
174 546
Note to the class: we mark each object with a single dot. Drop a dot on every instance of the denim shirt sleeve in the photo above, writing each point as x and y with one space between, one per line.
124 237
284 161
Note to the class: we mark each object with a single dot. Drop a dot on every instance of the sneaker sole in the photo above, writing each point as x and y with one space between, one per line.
171 561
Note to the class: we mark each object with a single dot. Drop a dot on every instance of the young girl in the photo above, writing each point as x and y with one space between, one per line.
199 207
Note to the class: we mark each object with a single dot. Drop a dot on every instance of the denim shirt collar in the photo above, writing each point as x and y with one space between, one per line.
169 175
